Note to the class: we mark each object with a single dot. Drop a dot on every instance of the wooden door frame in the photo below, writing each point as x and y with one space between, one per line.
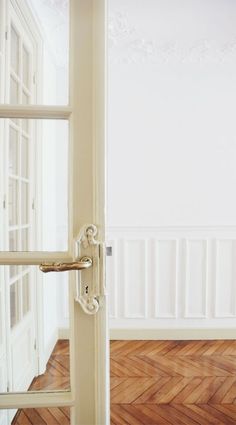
89 100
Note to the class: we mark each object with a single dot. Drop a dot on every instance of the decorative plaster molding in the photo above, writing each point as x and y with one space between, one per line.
127 45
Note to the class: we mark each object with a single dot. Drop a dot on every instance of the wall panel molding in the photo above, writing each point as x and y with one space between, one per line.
225 278
135 278
171 276
165 269
196 278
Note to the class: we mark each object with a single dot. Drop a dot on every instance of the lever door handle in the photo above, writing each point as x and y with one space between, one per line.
83 263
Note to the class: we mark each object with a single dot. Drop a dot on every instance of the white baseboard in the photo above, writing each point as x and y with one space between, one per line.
63 333
172 334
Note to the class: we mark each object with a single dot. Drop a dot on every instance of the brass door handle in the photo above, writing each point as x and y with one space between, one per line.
83 263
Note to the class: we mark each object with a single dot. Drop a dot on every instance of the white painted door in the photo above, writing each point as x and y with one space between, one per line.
84 116
19 217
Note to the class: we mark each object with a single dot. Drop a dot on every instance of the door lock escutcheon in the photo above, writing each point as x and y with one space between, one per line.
89 254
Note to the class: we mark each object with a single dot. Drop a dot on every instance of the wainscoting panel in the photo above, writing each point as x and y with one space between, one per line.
172 278
164 269
135 278
196 267
225 303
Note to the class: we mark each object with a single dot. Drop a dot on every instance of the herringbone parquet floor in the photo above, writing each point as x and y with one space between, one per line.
173 382
56 377
155 383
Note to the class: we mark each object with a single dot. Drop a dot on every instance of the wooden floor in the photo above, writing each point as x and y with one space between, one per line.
56 377
154 383
173 382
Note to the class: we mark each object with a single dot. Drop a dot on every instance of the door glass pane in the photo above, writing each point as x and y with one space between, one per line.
39 35
25 101
25 240
24 203
25 98
14 304
14 50
3 413
43 416
13 240
38 194
13 151
14 91
25 294
24 157
14 270
25 64
12 202
37 329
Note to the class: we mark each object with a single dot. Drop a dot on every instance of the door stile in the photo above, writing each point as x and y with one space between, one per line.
90 382
100 24
83 361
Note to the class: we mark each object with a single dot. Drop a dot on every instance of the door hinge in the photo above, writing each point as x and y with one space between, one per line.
35 344
33 204
6 35
8 387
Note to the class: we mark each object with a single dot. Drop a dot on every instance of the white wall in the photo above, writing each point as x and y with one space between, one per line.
171 163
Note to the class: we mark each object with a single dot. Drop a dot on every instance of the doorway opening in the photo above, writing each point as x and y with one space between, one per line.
171 213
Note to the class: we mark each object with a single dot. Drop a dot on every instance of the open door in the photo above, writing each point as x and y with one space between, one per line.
81 255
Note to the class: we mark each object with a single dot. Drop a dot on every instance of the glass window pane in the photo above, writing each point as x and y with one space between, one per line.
28 315
14 270
26 64
3 413
43 416
25 240
49 83
13 151
24 157
24 203
13 240
14 50
38 195
25 126
13 203
25 98
14 91
14 304
25 294
25 101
